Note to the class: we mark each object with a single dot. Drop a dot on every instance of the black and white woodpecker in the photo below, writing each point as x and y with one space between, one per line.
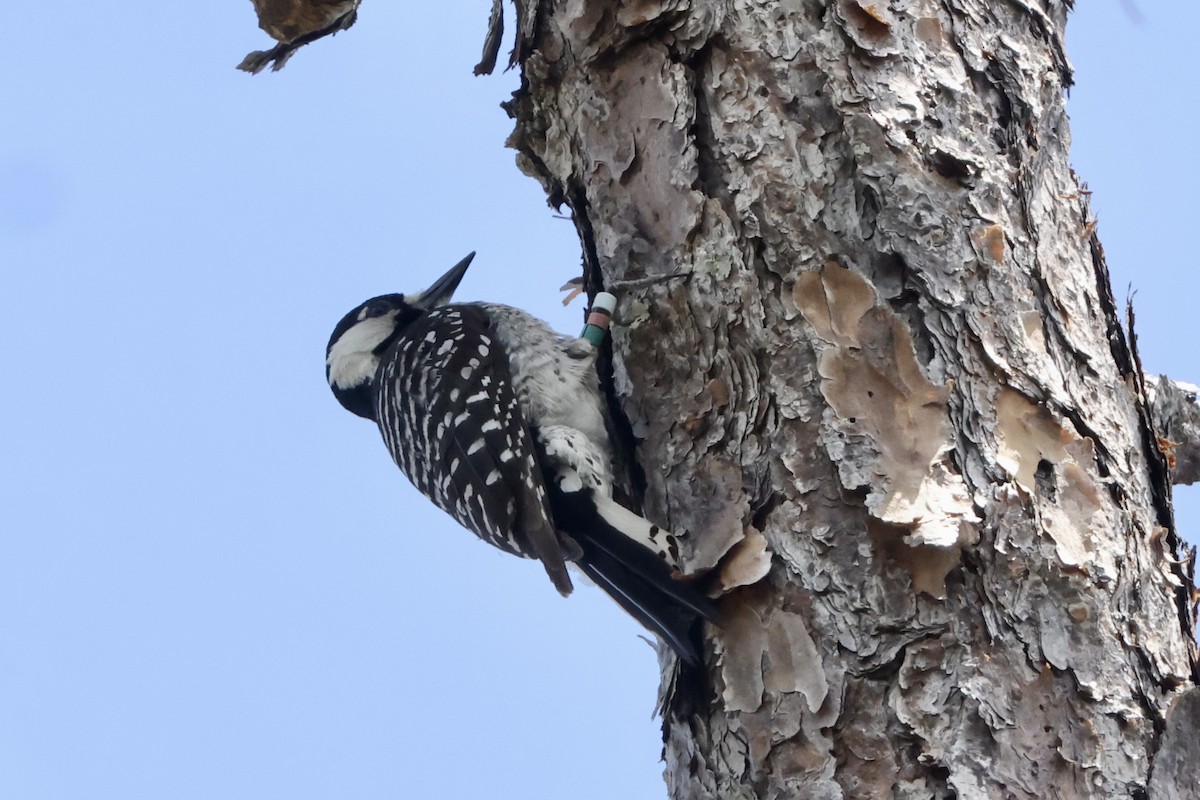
498 420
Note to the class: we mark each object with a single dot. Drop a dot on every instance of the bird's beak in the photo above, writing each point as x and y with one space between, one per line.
443 288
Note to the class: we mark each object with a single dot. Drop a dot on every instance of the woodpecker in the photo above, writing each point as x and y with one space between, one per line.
499 421
295 23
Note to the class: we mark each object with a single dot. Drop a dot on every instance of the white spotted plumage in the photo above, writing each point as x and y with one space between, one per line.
485 408
473 428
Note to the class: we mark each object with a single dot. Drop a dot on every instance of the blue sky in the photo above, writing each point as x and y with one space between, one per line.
213 583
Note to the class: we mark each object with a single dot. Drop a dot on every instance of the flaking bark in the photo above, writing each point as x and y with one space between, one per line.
294 24
867 333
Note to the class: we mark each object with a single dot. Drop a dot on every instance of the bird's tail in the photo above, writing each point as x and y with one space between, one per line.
639 580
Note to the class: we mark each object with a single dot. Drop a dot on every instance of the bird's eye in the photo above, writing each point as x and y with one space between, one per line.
376 309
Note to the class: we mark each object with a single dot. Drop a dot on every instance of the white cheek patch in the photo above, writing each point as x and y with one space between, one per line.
352 359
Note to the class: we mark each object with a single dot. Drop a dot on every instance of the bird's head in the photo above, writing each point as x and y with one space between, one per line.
364 336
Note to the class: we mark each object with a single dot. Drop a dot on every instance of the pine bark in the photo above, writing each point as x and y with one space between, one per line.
867 340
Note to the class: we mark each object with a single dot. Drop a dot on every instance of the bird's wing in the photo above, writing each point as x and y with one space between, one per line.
446 399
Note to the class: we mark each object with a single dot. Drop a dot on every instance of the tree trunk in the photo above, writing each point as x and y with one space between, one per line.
866 325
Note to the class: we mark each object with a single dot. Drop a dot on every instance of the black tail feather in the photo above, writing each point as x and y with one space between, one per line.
637 579
643 564
673 623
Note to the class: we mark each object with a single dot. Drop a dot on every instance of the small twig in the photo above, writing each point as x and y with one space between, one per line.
638 283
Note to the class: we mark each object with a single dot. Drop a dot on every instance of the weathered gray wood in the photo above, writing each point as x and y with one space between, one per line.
1176 771
1176 412
866 321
